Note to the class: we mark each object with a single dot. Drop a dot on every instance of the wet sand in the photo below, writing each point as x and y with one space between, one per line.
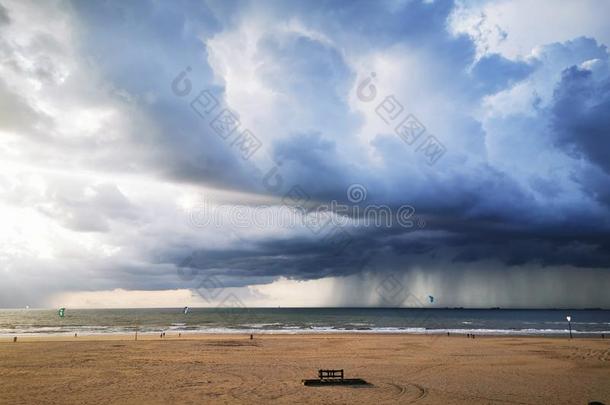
222 369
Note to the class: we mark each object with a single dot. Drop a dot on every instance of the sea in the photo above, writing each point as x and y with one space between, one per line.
28 322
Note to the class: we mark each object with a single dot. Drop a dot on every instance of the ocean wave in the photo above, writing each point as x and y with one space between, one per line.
194 329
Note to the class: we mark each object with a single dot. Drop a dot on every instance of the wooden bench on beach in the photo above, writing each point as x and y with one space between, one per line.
330 374
333 377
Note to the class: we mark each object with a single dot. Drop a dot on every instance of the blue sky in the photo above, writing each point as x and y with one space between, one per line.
116 181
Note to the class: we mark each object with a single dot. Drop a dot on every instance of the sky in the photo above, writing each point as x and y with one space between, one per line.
323 153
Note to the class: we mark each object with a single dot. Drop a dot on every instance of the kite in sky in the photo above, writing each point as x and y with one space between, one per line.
185 310
431 298
61 312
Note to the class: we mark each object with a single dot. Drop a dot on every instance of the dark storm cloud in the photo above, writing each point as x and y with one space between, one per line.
474 213
444 242
582 116
477 208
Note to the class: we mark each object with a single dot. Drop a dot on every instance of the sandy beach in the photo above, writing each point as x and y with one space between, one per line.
269 368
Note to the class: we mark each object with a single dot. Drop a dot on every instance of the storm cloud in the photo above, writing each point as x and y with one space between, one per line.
114 161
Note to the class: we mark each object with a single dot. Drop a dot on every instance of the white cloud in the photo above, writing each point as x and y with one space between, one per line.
514 28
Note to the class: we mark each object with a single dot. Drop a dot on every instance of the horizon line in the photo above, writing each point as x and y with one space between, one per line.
325 307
